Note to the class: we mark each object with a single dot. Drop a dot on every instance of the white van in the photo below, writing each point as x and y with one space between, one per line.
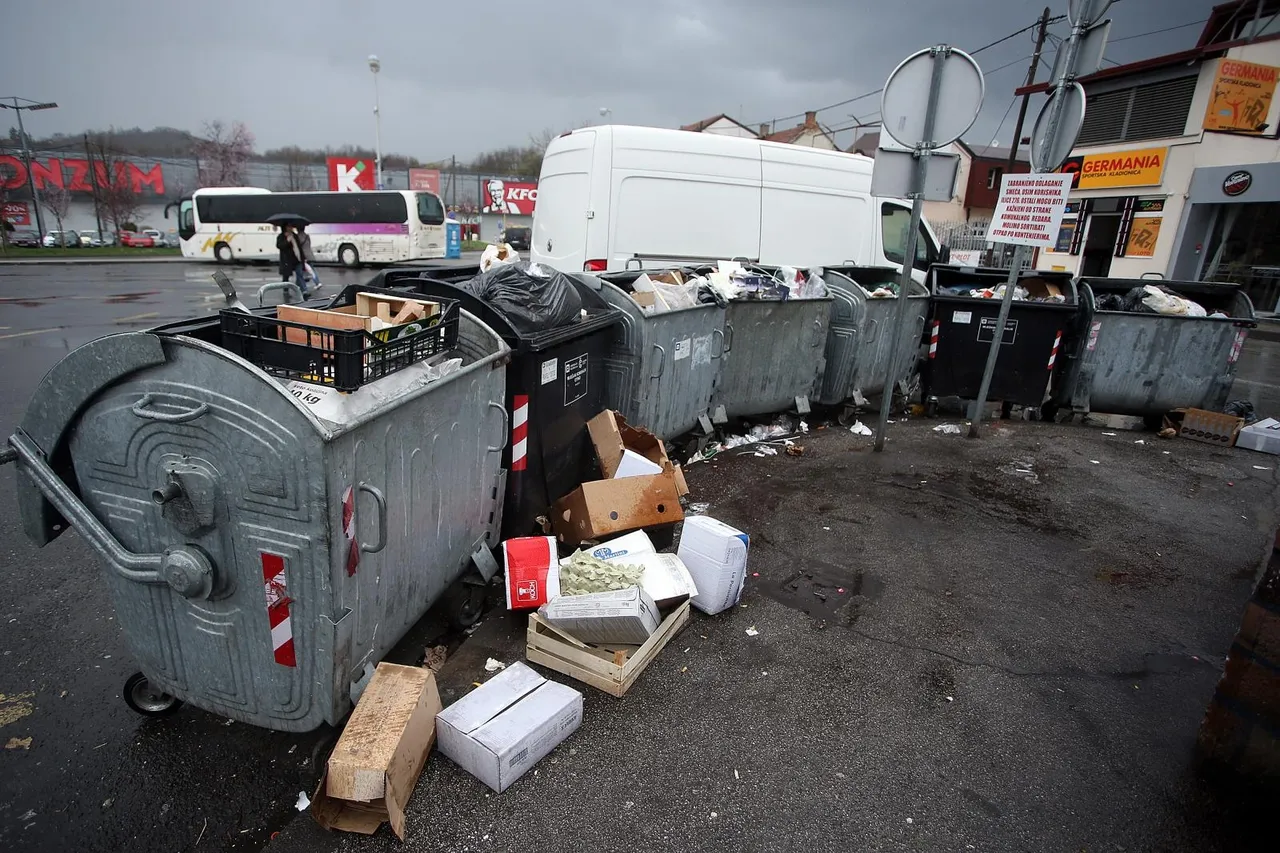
614 196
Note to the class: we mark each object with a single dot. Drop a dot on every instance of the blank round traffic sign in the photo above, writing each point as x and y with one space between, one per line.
906 98
1048 154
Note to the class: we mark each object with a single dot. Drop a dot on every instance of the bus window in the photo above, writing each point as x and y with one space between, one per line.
430 210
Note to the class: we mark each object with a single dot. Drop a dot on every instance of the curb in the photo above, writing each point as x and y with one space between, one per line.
35 262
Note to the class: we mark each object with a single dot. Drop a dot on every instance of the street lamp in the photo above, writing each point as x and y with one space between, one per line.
26 151
375 66
606 114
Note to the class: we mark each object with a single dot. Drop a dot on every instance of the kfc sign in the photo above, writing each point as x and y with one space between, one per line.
72 174
349 175
499 196
425 179
15 213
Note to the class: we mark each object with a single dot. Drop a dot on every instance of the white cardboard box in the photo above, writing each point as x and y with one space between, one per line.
626 616
716 556
633 464
502 728
1263 436
632 543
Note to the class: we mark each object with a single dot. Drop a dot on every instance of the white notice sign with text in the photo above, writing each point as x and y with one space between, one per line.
1030 209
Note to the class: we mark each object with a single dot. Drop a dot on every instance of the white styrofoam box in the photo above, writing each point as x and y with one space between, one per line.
716 556
1263 436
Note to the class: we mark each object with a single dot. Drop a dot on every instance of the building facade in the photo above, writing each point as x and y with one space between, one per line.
1176 166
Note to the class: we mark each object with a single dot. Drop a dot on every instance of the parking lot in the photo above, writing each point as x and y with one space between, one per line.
1022 664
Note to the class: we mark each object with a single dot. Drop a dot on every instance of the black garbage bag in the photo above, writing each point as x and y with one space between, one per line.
1134 304
1241 409
534 297
1109 302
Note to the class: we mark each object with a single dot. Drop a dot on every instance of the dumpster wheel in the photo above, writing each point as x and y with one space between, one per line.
147 700
464 603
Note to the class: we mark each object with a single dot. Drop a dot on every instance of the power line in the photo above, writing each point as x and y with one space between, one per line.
1157 32
881 89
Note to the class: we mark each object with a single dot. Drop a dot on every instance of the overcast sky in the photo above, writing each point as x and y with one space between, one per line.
461 77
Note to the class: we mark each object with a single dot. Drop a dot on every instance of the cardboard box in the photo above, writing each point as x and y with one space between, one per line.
1039 288
602 508
622 546
611 668
716 556
1263 436
371 773
626 616
372 312
528 562
1208 427
502 728
666 579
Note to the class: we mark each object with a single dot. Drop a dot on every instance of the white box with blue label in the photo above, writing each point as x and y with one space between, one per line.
716 556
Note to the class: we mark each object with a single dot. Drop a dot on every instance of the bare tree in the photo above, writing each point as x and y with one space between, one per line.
58 202
115 193
223 153
298 176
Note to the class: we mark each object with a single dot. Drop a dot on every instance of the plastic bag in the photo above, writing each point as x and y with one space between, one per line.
670 292
497 253
1109 302
532 297
1161 301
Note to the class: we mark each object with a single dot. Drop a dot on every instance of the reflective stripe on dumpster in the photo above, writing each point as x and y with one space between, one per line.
520 433
276 587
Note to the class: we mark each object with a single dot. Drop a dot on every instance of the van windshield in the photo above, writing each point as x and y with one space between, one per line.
894 222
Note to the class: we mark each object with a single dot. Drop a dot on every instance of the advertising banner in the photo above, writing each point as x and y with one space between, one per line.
425 179
350 174
1143 167
1241 98
510 197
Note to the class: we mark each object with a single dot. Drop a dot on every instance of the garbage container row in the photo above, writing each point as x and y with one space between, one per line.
235 492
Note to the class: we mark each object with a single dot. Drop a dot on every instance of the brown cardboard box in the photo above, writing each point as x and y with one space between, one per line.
1203 425
604 507
1040 288
371 312
372 770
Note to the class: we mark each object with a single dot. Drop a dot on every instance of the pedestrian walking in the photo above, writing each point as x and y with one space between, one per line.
291 259
308 272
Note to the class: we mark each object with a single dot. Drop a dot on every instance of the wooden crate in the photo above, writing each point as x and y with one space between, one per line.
611 668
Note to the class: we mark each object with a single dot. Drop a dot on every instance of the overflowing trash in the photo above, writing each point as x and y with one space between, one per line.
674 290
532 296
1154 299
496 254
1027 290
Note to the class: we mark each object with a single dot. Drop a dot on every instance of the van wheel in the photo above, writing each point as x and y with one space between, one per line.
348 255
222 253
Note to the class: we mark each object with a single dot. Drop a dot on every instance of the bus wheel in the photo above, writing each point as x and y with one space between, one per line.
222 253
348 255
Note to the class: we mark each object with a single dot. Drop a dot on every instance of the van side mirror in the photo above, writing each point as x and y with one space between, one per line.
944 254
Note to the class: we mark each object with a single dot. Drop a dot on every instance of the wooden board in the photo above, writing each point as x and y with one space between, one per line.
611 668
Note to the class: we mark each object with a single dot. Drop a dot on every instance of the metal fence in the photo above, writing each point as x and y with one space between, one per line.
969 245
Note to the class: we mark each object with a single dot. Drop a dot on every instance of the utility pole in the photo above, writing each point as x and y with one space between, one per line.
1031 79
453 181
93 181
26 149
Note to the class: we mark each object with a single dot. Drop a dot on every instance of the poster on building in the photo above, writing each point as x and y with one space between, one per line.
1066 234
1143 167
425 179
1143 237
509 197
1241 97
350 174
17 213
1030 209
73 174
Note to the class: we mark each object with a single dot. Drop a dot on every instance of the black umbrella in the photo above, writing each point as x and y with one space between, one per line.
283 219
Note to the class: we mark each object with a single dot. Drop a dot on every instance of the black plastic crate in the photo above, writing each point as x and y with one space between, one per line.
343 359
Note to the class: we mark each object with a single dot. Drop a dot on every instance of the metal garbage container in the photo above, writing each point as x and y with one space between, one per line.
555 384
961 328
773 355
862 341
267 540
662 367
1144 364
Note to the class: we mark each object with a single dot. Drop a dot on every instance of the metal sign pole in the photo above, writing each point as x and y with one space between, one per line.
1085 18
922 153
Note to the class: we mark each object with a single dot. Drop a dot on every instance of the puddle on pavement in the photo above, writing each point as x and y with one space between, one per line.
120 298
33 302
822 592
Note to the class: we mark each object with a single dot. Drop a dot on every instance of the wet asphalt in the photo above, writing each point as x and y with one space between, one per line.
96 776
1077 664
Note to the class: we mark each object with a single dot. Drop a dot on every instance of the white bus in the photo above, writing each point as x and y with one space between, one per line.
386 226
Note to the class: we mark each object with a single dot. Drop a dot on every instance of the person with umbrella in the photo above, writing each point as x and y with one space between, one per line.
290 248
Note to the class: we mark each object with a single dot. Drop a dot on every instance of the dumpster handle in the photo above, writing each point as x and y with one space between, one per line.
720 332
140 409
140 568
874 331
280 285
381 500
662 361
506 426
728 339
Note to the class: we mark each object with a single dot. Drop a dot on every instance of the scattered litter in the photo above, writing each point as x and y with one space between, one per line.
628 804
293 749
1168 432
698 509
30 813
686 651
713 814
106 804
1230 484
684 669
951 698
947 429
909 820
1261 468
1021 468
840 590
492 665
1167 452
795 450
1095 461
755 574
765 450
18 743
826 528
435 658
764 673
752 632
1139 441
1109 433
804 427
304 802
859 428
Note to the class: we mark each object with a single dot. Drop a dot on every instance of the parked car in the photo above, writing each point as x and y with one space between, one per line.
24 239
65 239
135 240
156 235
90 239
518 237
